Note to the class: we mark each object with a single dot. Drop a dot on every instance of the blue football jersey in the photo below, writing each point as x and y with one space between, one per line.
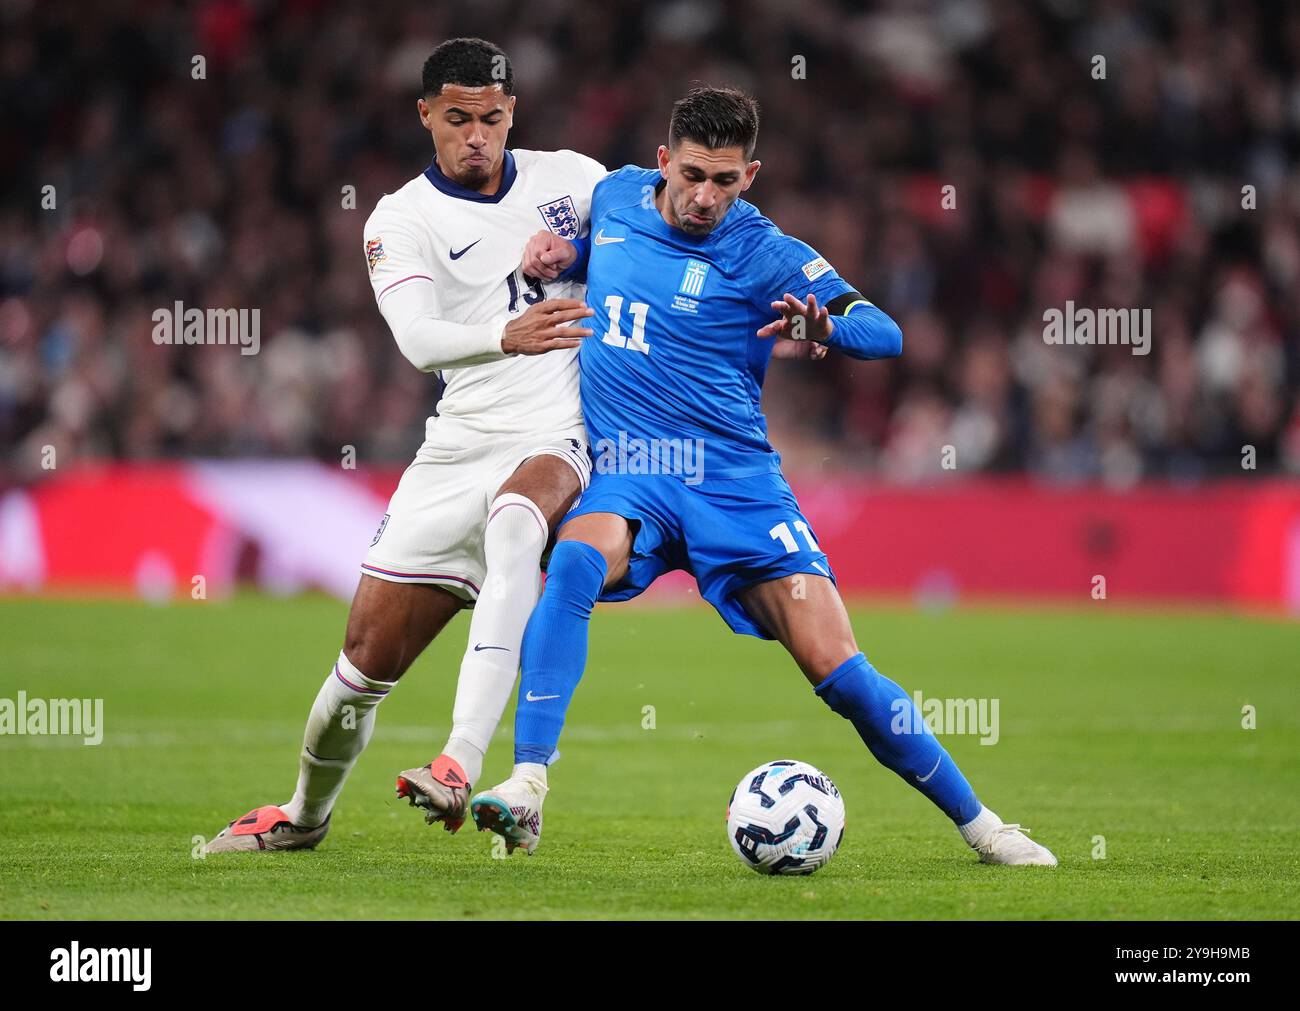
673 354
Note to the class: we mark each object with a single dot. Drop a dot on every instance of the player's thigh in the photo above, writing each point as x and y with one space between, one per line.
547 481
608 533
390 624
804 613
433 530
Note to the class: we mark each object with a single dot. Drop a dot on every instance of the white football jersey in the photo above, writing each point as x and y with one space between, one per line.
469 247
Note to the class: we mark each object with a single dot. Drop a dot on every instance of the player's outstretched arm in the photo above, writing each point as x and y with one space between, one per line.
849 323
432 343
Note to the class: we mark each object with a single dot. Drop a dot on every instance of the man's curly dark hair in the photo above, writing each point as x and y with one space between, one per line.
471 63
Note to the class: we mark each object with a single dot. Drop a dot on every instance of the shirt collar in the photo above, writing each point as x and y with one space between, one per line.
454 189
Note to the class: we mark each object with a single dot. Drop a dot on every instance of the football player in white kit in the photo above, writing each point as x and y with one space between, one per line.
501 463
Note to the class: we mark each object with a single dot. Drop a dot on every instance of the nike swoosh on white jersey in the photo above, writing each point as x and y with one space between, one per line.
602 238
530 697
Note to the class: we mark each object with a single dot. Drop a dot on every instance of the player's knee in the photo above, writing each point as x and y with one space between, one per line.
376 662
830 656
515 529
372 652
575 575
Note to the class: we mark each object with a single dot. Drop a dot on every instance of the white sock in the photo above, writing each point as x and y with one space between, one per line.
979 826
338 729
532 771
512 545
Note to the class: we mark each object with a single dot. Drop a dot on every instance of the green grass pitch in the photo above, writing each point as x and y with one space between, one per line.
1118 724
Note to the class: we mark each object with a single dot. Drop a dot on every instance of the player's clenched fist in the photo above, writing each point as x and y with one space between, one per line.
544 327
547 256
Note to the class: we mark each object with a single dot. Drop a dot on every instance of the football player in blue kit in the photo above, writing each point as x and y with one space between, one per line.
685 278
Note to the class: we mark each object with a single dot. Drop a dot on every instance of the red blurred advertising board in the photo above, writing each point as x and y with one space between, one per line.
296 525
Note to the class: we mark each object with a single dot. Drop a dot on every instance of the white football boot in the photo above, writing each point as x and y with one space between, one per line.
439 789
266 828
999 843
513 810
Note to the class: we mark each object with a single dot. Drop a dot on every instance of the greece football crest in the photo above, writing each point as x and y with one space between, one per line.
561 217
693 278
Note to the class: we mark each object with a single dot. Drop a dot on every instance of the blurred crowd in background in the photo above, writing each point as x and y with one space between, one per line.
967 165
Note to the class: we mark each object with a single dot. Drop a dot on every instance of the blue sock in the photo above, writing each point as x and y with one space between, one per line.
876 707
554 652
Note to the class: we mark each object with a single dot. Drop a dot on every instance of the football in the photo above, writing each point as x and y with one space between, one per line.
785 817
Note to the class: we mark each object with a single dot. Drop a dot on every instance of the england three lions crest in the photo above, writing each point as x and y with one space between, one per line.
561 217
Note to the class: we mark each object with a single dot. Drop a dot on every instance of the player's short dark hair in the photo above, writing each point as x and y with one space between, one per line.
715 118
471 63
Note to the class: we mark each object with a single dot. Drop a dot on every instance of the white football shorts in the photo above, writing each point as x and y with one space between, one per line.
433 530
